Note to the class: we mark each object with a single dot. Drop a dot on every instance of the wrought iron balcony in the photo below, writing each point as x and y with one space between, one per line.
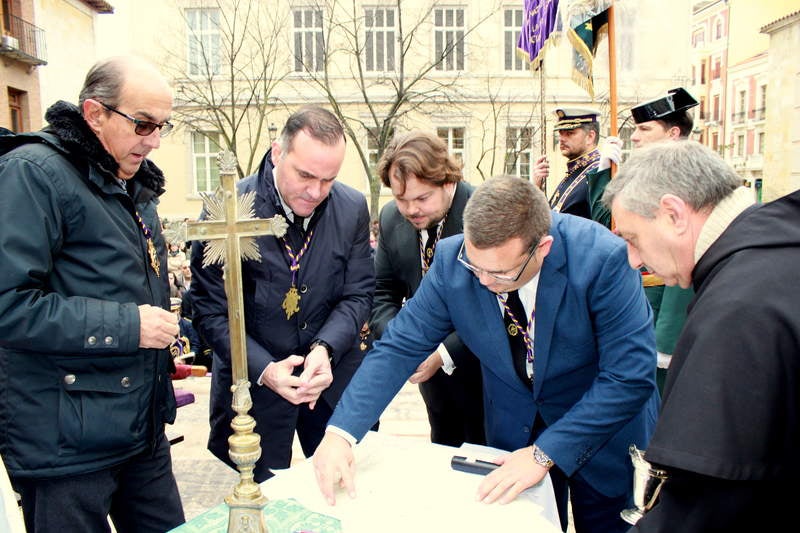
24 42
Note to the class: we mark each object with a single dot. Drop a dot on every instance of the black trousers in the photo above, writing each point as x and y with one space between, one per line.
140 496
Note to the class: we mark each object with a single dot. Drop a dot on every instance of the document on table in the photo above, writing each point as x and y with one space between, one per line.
406 485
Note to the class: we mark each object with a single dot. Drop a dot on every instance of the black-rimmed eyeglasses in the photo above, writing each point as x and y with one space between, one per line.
143 127
499 277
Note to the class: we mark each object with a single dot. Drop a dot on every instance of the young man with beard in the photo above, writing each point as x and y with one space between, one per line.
429 199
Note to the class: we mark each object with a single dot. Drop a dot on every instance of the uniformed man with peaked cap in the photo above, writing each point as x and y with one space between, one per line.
578 131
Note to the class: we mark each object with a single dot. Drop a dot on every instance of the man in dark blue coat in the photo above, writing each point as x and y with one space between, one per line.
304 302
84 369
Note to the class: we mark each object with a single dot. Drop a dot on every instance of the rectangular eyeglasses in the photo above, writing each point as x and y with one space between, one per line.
462 258
143 127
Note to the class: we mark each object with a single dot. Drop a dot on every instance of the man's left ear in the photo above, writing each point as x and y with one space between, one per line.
677 211
450 188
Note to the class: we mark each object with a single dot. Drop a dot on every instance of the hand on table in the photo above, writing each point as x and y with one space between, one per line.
334 464
518 471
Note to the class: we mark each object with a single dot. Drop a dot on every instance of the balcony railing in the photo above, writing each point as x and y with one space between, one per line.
24 42
739 117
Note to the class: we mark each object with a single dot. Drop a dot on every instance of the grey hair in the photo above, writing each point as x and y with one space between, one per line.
687 169
104 82
504 207
319 123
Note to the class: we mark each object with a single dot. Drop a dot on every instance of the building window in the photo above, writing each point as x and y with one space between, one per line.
698 38
449 38
703 72
380 39
454 138
204 41
715 141
205 147
308 41
512 22
15 110
742 112
762 140
702 108
716 108
761 112
519 152
740 145
717 69
719 29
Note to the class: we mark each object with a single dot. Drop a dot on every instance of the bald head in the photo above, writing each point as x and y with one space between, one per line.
109 77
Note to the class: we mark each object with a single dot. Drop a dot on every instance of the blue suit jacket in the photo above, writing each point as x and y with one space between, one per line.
595 358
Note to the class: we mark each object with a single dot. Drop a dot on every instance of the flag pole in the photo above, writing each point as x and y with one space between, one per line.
612 69
542 117
612 81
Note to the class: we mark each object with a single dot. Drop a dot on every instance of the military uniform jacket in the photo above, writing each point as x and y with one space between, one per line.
77 394
572 194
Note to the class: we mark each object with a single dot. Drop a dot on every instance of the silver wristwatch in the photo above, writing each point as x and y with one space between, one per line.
541 458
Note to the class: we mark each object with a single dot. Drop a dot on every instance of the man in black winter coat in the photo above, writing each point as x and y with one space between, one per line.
84 365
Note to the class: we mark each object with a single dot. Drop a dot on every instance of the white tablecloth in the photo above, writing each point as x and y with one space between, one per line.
404 484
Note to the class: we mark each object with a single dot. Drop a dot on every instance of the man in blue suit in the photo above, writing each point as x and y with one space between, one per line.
560 323
304 302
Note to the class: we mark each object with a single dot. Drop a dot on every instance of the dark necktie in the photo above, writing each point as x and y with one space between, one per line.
297 232
516 340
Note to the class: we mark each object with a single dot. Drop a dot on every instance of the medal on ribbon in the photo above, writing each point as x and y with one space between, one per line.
291 302
152 253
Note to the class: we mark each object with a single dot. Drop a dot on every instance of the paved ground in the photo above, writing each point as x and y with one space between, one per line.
204 481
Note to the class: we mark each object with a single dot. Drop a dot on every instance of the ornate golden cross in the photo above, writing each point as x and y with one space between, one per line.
229 232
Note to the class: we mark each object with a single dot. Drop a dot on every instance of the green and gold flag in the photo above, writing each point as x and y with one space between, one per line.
587 23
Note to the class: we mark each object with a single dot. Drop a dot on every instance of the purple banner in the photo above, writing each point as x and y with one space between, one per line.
540 19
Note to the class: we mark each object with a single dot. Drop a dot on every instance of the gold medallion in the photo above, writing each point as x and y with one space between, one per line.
363 346
513 330
429 252
291 302
154 262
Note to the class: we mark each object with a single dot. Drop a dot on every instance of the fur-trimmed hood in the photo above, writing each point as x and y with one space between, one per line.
67 123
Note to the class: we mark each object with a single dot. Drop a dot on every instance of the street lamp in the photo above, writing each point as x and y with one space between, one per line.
273 131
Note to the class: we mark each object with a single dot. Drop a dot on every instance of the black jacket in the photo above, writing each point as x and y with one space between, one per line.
729 429
77 394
